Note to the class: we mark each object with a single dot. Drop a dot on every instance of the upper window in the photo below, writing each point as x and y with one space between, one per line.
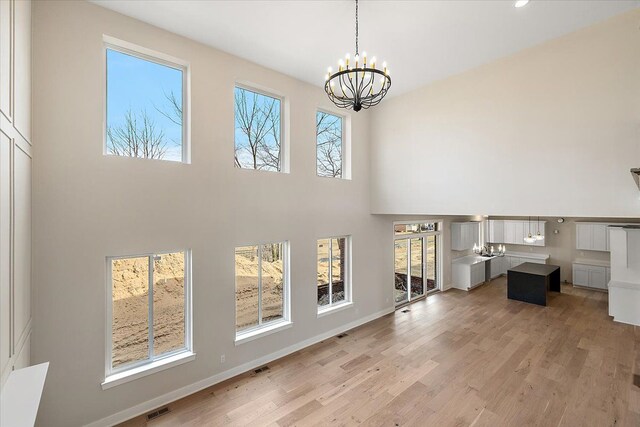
329 145
333 271
261 286
145 106
149 307
258 131
422 227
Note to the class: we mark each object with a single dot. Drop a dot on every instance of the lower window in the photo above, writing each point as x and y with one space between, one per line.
261 286
333 272
149 306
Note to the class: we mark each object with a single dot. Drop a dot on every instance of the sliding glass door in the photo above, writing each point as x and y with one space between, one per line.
416 261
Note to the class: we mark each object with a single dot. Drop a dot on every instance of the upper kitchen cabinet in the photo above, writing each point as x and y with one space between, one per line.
592 236
514 231
464 235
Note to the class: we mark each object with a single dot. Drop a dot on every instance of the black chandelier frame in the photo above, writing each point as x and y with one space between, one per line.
353 88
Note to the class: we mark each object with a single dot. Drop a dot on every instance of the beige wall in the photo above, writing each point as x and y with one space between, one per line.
551 130
15 186
88 206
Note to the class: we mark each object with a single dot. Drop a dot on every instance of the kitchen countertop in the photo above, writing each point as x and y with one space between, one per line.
527 255
592 262
472 259
477 259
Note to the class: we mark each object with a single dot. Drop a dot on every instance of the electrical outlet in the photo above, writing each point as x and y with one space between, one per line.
222 358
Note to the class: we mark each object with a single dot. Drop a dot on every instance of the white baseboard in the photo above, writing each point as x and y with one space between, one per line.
172 396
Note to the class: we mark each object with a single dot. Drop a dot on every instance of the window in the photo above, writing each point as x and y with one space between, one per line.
258 131
145 106
150 305
422 227
261 286
333 272
329 145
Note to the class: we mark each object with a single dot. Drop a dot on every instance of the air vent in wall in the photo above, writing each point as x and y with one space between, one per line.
341 335
406 310
156 414
264 368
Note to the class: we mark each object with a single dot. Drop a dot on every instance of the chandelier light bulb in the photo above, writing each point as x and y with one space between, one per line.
373 62
329 70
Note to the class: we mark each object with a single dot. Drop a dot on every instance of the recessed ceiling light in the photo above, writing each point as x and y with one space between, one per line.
521 3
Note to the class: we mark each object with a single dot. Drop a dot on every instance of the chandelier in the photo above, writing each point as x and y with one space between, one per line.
357 85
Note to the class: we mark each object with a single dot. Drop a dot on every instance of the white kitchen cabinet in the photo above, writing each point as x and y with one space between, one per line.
592 236
495 231
513 232
591 276
464 235
468 272
499 266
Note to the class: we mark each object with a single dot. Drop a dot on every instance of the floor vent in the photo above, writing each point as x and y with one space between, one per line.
341 335
406 310
636 380
156 414
264 368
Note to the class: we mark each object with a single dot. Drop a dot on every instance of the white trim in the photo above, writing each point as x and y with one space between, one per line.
174 395
147 369
325 311
254 334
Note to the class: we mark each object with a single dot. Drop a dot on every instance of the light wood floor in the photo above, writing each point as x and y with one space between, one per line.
456 359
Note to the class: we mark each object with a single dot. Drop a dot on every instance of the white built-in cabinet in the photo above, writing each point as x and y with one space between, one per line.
592 236
513 232
15 186
464 235
591 276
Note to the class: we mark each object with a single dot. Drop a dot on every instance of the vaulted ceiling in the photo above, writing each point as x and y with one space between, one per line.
422 41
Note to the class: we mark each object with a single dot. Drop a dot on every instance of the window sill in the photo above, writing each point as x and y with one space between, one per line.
338 307
259 333
147 369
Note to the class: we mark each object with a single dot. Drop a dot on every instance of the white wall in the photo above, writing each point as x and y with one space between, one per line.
88 206
552 130
15 186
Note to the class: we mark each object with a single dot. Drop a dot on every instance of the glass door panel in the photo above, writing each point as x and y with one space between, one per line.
432 262
401 270
417 268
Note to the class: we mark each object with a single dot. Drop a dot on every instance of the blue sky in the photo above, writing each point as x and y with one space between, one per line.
137 84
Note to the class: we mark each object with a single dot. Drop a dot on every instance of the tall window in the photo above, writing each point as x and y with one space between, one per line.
150 301
261 286
258 131
329 145
145 106
333 272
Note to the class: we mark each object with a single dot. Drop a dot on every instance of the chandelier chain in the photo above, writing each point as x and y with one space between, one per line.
356 27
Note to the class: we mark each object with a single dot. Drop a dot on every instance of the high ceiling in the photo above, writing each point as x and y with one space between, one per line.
422 41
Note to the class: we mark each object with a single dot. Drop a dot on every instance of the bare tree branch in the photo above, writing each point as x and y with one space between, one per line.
137 137
329 144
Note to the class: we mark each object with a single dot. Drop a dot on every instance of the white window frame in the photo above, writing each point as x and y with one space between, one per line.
112 43
154 363
262 329
284 123
346 142
439 252
348 301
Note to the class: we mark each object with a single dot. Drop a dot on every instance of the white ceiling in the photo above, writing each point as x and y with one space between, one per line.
422 41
